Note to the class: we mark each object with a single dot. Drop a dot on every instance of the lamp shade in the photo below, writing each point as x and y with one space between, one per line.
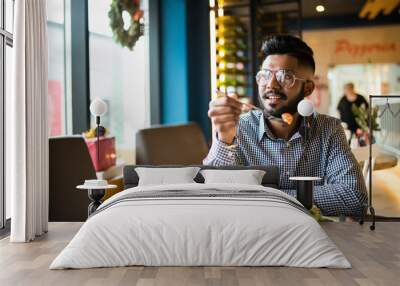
305 107
98 107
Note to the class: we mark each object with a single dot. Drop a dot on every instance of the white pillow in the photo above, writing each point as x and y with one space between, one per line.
166 175
248 177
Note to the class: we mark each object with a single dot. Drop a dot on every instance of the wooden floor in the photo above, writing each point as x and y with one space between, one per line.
375 257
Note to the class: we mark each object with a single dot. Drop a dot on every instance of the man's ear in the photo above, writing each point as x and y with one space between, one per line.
308 87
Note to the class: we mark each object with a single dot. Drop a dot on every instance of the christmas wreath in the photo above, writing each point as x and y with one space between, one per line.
129 37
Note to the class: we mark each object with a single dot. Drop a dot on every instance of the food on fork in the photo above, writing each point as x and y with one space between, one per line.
287 118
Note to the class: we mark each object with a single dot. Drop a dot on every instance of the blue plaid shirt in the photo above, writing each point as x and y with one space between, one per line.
326 154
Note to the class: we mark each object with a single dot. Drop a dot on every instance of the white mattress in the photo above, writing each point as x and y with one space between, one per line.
202 231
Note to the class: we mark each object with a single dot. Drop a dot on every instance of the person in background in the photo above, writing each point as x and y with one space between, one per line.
345 106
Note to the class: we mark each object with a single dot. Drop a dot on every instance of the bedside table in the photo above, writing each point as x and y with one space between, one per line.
95 194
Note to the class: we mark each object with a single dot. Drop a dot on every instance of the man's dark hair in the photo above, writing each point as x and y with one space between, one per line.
289 45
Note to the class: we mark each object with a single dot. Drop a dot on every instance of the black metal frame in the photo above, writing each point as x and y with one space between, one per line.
154 50
254 50
6 38
80 66
370 206
5 231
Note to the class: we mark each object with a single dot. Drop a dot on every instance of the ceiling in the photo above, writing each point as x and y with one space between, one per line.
332 7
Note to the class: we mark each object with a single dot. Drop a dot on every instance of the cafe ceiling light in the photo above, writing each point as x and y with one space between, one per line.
320 8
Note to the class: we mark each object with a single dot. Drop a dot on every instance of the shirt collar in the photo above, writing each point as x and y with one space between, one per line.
261 128
264 129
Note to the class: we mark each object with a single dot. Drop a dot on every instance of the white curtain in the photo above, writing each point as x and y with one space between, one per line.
27 123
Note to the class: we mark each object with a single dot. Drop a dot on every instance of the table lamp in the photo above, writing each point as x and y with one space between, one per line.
305 184
306 109
96 188
98 108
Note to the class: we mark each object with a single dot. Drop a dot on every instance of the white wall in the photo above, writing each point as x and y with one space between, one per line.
332 47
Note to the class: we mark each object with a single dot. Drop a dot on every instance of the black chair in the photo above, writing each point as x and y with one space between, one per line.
69 165
171 144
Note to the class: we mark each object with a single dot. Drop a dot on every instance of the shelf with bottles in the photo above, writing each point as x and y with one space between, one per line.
231 67
234 4
239 90
232 79
231 55
235 45
240 28
231 32
230 29
230 21
221 57
232 50
229 47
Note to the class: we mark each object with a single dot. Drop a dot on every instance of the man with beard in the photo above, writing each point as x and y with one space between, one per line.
263 138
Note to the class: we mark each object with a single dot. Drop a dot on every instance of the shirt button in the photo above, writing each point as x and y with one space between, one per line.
288 144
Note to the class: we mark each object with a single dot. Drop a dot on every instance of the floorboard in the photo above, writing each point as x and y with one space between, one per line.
375 257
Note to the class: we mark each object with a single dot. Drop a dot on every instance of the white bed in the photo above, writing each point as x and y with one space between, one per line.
245 225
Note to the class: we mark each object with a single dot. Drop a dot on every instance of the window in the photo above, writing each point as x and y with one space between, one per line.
57 103
6 43
118 76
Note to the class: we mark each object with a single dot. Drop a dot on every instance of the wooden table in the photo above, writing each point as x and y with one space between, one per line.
385 161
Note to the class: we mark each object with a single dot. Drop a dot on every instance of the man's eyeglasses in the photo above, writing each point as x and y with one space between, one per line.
284 77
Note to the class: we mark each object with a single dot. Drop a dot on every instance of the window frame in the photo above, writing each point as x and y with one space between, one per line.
6 39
